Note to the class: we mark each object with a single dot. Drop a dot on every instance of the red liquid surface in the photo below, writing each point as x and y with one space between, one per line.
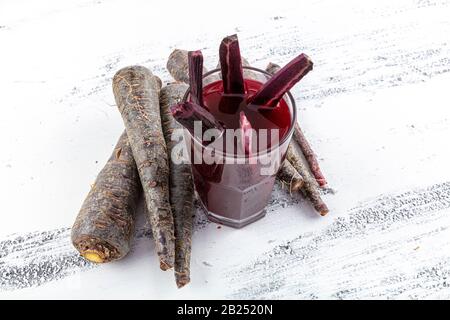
227 108
236 194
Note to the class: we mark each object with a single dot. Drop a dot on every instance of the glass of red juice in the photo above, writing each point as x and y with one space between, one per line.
235 186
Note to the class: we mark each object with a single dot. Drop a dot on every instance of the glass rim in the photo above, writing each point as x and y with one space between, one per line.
267 151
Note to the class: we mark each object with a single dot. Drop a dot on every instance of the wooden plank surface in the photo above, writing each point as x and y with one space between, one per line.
375 108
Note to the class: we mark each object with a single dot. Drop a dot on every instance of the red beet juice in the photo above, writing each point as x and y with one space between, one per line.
236 194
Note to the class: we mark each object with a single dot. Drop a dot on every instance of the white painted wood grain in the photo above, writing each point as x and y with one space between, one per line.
384 248
375 108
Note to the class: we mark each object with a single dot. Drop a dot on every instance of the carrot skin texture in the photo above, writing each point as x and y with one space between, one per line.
290 177
181 186
136 91
105 222
309 186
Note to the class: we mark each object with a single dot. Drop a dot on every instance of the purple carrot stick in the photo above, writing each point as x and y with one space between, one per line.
246 134
232 75
188 113
195 61
273 90
231 66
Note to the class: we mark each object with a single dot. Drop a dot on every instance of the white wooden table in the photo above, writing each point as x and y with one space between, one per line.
376 109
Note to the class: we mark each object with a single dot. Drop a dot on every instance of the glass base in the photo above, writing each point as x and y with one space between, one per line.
232 222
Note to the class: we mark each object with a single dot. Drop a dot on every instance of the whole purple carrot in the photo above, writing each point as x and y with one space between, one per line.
136 91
